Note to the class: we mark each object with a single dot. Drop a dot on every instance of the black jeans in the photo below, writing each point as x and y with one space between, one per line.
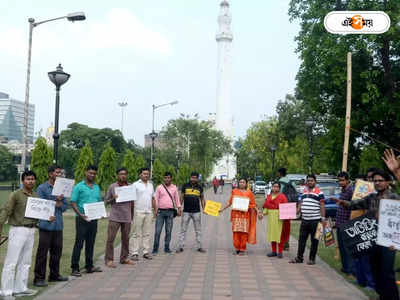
49 241
167 216
85 233
308 227
345 255
382 266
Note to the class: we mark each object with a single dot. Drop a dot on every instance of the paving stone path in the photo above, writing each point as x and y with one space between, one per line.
217 274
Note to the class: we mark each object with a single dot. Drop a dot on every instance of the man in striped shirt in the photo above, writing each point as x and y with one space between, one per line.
312 207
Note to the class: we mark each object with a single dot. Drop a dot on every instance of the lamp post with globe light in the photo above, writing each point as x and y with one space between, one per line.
310 124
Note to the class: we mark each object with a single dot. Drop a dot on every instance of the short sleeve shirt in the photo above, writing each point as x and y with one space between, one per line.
83 194
191 197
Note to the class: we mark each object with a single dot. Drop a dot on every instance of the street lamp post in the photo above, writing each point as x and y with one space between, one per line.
77 16
310 124
122 105
273 149
58 77
153 134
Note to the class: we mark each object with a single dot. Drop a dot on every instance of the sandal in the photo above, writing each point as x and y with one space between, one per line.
128 262
296 261
110 264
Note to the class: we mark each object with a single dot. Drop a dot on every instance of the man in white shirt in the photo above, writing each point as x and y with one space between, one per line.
143 215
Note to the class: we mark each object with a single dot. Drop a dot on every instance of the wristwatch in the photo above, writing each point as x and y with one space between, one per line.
323 219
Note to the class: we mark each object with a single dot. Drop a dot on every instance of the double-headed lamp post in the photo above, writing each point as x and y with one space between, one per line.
77 16
153 134
122 105
58 77
310 124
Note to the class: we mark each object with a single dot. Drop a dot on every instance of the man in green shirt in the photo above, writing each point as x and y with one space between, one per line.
14 277
85 192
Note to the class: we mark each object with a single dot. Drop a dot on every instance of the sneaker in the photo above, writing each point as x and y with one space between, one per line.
93 270
280 255
154 252
40 283
311 262
179 250
201 250
59 278
27 292
272 254
135 257
147 256
167 251
296 261
76 273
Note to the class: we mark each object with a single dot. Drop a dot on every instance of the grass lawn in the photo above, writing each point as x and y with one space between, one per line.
328 255
69 239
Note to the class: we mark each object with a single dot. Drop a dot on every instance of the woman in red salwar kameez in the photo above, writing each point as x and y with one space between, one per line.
243 222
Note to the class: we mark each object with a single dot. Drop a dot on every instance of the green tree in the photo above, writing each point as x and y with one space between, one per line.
41 160
139 163
183 174
171 169
85 159
8 170
107 167
129 163
158 171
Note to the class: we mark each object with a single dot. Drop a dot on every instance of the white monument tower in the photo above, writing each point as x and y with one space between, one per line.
224 121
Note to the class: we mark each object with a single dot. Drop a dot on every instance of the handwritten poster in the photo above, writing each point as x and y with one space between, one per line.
212 208
63 186
240 203
41 209
362 189
95 210
287 211
389 223
125 193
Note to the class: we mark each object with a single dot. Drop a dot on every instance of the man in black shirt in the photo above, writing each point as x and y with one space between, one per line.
191 198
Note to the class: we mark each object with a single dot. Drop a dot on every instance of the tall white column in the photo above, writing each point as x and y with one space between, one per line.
224 121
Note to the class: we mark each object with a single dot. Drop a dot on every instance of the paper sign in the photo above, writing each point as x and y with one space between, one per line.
287 211
362 189
212 208
329 237
125 193
63 186
95 210
240 203
41 209
389 223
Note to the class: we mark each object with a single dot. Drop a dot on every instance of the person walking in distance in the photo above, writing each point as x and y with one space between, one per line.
215 184
192 197
143 215
312 209
50 233
120 217
221 184
167 201
85 192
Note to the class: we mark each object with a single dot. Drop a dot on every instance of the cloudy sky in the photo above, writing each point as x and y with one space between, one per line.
147 52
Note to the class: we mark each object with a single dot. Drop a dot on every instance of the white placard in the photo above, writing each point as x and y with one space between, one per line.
95 210
125 193
389 223
63 186
41 209
240 203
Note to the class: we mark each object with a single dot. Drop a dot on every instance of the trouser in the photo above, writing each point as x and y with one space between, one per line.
345 255
163 216
14 278
222 189
363 271
49 241
240 240
280 247
141 232
85 232
215 189
112 231
307 228
196 218
382 265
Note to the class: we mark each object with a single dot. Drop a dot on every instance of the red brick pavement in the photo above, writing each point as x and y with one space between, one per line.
217 274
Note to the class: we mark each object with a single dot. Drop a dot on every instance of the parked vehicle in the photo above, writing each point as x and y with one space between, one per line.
330 188
259 187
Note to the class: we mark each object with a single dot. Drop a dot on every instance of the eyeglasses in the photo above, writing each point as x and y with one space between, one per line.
379 180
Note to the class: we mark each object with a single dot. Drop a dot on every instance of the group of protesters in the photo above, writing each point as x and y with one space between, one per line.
163 204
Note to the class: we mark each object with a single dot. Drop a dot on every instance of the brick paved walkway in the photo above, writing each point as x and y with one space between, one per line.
218 274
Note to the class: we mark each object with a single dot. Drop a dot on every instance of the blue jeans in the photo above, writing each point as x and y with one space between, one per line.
163 216
363 271
345 255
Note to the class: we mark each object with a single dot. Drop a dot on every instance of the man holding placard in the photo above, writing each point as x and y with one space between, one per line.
84 193
381 258
50 233
16 266
121 214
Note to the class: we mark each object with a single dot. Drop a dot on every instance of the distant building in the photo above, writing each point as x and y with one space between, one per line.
12 119
158 142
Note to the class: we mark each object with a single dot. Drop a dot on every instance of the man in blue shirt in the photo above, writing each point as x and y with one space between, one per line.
87 191
50 233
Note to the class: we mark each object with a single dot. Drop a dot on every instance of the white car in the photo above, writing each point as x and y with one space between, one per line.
259 187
